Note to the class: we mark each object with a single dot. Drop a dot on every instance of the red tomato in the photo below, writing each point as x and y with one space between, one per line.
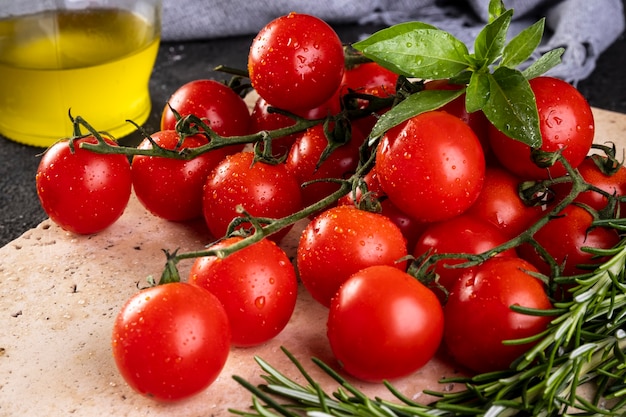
171 341
296 62
460 234
172 188
384 324
479 317
614 183
432 166
341 241
500 204
82 191
476 120
564 236
369 78
257 286
304 156
263 119
263 190
214 102
411 228
566 124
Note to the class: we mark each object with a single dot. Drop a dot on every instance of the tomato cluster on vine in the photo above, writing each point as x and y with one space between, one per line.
393 220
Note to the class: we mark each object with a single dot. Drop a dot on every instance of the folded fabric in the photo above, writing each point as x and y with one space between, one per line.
584 28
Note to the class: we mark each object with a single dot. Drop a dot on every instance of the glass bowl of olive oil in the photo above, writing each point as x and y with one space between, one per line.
85 58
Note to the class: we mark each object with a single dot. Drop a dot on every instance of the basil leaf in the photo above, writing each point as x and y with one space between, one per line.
511 106
417 103
391 32
521 47
421 53
489 43
546 62
477 93
496 8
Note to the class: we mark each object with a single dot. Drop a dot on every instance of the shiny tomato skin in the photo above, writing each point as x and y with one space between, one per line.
171 341
566 123
478 316
411 228
302 162
296 62
262 189
369 78
460 234
431 166
82 191
476 120
217 104
564 236
613 184
342 240
384 324
257 286
172 188
500 204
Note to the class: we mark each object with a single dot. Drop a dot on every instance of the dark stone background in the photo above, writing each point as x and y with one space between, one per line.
178 63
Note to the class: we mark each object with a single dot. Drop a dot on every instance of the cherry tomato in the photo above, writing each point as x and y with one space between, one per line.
499 203
479 317
257 286
476 120
171 341
460 234
431 167
411 228
341 241
223 110
304 156
262 189
612 182
296 62
172 188
564 237
566 124
82 191
384 324
263 119
373 79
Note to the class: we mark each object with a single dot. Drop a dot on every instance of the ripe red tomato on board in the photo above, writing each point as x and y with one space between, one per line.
478 315
432 166
82 191
172 188
612 182
566 123
369 78
303 162
296 62
171 341
217 104
411 228
262 189
257 286
384 324
564 237
341 241
499 203
476 120
460 234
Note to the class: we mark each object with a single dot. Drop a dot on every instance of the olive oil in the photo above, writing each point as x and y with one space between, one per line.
94 63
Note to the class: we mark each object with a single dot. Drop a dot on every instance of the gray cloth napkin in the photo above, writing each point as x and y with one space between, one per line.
585 28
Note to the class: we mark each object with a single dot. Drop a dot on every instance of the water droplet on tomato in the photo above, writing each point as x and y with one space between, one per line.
260 302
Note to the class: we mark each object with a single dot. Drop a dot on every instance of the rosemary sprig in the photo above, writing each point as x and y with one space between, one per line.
584 346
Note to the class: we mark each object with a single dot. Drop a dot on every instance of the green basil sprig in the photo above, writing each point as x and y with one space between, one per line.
490 76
